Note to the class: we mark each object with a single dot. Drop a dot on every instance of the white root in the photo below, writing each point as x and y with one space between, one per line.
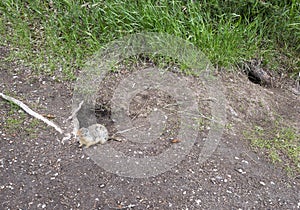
74 113
31 112
75 124
74 119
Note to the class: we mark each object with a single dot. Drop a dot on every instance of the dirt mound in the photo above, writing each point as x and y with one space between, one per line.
39 172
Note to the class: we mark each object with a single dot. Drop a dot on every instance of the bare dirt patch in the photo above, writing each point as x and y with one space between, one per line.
39 172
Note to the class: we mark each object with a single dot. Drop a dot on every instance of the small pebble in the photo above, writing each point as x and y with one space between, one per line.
241 171
262 183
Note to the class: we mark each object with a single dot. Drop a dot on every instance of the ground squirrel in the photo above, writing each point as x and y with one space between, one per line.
92 135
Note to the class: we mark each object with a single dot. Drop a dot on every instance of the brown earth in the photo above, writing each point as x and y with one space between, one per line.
38 171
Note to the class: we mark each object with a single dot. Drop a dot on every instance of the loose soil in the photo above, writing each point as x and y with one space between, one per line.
38 171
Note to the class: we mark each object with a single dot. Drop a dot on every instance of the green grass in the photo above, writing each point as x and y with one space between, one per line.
56 37
17 123
280 144
13 123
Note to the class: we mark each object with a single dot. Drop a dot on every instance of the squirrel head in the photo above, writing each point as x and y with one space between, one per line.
83 132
